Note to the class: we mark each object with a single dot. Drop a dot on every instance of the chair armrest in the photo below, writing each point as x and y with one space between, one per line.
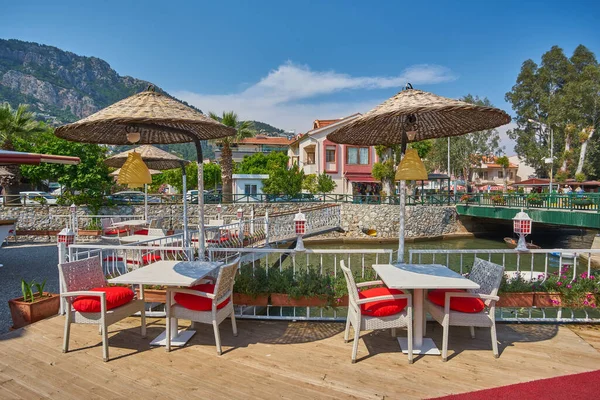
473 295
370 283
83 293
387 297
190 291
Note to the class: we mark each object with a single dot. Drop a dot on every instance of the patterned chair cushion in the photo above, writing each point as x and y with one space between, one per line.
116 296
462 304
198 303
381 308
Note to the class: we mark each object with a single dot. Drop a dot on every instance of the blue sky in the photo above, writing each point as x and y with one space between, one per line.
288 63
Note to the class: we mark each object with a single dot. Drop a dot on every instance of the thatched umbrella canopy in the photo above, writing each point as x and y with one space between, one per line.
153 157
149 118
435 116
156 117
411 116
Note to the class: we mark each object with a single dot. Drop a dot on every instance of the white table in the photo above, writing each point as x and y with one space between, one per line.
170 273
135 238
419 277
131 222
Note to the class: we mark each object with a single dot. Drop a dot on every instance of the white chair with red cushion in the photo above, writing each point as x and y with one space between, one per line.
91 301
472 308
206 303
376 308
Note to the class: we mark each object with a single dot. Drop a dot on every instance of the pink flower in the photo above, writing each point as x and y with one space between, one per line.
569 286
592 277
554 301
563 277
586 302
559 283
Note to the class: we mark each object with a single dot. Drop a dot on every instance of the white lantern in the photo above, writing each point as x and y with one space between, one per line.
66 236
522 227
300 228
240 213
219 208
73 208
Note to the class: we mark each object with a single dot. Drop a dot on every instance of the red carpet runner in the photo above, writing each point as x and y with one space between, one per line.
571 387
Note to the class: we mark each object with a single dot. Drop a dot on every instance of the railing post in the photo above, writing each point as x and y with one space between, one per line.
266 227
252 220
62 258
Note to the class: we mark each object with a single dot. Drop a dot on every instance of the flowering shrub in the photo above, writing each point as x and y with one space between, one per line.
583 291
497 199
465 198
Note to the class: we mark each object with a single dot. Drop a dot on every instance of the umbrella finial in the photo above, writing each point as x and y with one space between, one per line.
150 88
408 86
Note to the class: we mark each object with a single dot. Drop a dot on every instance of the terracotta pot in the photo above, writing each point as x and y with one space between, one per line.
25 313
547 299
89 232
153 295
281 299
341 302
248 300
524 299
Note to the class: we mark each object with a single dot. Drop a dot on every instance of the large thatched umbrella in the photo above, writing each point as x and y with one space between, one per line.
149 118
411 116
157 160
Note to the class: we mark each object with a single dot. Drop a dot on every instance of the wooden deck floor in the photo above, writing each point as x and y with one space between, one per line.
278 360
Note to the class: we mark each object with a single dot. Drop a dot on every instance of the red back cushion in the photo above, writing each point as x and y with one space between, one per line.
198 303
462 304
381 308
141 232
116 296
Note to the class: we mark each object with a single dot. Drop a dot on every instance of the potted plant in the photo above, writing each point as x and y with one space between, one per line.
307 288
582 201
465 198
341 288
498 200
534 199
583 291
515 292
93 228
153 294
251 287
546 290
35 305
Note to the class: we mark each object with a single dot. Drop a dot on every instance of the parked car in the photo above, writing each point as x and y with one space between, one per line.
131 197
37 198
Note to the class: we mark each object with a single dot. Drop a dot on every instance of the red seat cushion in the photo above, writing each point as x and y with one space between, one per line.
141 232
146 259
462 304
115 231
116 296
381 308
199 303
112 258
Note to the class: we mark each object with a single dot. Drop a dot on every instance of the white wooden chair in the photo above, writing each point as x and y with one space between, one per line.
360 322
78 278
488 275
210 313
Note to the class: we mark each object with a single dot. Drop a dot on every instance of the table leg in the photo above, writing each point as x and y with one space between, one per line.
421 345
178 337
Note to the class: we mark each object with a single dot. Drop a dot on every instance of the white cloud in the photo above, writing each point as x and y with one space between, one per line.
280 98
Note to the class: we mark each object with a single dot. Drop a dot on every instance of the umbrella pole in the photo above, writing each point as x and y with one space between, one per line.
201 243
185 210
400 258
145 202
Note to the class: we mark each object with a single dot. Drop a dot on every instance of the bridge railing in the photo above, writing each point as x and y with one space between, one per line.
566 201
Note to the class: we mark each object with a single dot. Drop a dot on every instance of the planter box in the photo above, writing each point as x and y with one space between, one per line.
283 300
89 232
516 300
547 299
248 300
25 313
341 302
153 295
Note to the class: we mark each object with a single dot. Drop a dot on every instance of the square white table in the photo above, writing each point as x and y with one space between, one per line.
170 273
419 277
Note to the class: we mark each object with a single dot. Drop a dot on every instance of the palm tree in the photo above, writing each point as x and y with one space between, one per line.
243 130
15 124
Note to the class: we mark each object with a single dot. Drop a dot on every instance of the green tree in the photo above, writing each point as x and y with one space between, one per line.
14 125
286 181
504 163
466 151
243 130
325 183
310 183
423 147
260 163
174 177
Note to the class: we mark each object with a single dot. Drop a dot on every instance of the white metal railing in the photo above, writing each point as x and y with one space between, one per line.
533 265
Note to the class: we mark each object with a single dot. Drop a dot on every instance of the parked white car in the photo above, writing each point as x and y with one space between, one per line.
33 198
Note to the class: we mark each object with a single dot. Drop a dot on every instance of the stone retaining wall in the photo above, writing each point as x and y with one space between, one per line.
421 221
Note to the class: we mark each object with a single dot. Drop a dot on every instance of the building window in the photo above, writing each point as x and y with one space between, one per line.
485 175
510 175
249 190
330 155
310 158
357 155
500 174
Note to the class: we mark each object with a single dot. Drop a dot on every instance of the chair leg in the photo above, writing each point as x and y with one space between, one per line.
347 331
67 333
410 341
217 336
446 328
494 340
355 344
104 340
143 321
233 323
168 323
393 330
472 329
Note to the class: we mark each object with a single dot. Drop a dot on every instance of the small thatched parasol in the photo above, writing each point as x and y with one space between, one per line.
411 116
116 172
431 116
149 118
155 159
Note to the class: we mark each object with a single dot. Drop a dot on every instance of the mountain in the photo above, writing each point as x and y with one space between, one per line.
266 128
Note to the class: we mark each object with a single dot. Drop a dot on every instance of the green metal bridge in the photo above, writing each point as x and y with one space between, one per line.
578 210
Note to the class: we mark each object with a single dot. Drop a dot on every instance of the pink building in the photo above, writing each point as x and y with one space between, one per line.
349 166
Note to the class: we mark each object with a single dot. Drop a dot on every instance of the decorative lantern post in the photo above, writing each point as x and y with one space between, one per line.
73 210
522 227
300 227
66 236
219 209
240 213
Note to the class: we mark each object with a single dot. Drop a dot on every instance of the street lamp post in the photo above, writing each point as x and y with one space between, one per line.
551 159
